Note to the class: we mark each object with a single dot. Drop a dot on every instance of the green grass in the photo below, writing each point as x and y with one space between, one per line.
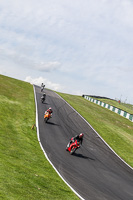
123 106
25 173
116 130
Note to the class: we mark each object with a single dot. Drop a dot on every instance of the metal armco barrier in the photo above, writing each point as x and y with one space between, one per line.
112 108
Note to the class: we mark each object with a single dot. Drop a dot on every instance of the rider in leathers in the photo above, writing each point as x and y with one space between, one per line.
79 139
43 97
50 110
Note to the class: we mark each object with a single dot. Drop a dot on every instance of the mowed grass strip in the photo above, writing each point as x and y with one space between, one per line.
25 173
116 130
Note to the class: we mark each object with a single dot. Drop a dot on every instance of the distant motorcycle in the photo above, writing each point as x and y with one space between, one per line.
47 116
43 99
73 146
42 87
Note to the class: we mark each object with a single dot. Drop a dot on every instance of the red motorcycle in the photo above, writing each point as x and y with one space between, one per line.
73 146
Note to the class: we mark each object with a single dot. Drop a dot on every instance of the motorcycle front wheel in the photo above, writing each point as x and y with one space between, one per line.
73 150
46 119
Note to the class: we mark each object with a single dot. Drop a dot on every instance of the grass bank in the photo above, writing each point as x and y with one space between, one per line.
116 130
123 106
25 174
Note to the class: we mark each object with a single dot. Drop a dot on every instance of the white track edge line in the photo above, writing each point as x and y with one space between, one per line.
97 133
45 152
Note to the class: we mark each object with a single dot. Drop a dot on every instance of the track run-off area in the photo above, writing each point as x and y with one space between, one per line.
94 172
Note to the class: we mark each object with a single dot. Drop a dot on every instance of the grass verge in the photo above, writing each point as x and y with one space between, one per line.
25 173
123 106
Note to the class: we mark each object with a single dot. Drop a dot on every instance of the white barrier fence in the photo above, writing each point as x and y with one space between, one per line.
112 108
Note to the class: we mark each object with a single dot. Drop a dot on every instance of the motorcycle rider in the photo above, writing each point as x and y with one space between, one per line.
50 110
43 97
42 87
79 139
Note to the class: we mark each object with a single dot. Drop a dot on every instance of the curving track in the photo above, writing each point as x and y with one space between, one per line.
94 171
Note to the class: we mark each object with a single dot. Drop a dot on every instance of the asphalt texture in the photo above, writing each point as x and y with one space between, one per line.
94 171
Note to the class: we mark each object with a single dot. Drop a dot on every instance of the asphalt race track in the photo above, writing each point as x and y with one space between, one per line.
94 171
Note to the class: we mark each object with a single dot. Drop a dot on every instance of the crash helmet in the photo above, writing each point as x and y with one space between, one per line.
50 109
44 94
81 135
